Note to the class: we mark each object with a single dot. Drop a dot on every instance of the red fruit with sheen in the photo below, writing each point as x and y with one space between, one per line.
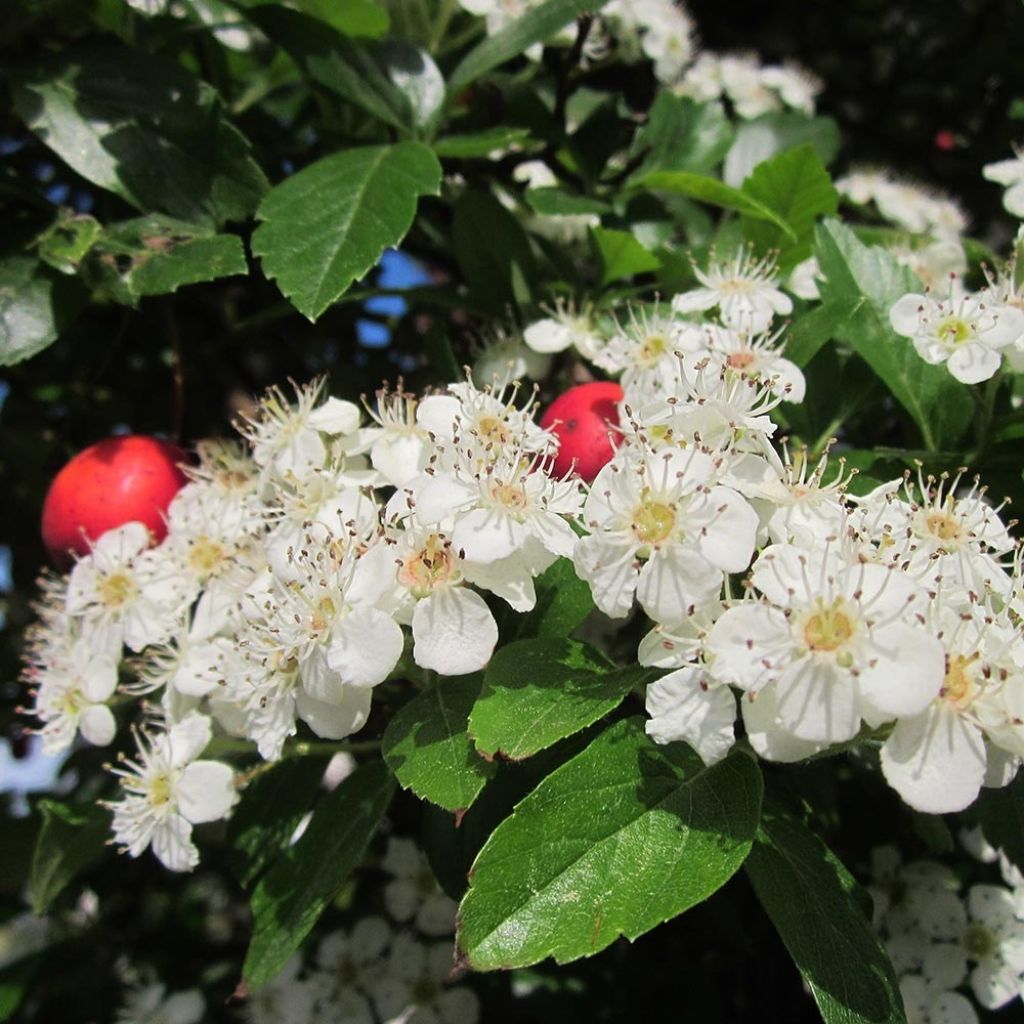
584 419
119 480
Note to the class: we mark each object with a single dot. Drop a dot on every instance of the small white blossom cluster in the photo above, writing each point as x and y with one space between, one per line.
911 206
752 88
373 972
1010 174
941 939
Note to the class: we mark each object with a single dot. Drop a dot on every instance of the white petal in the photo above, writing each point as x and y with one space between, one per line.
335 416
206 791
683 707
487 535
99 678
737 640
336 720
994 983
935 760
189 738
727 539
905 315
766 734
906 672
972 363
952 1008
365 646
454 632
674 581
172 844
817 701
610 570
97 725
548 336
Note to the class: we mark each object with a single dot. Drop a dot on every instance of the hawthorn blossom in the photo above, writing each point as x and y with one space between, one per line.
349 964
168 790
151 1004
413 893
1009 173
967 332
691 706
744 290
565 328
664 529
755 356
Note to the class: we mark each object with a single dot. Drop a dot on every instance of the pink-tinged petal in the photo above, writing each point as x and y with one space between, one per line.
817 701
972 363
766 733
935 760
905 671
97 725
454 632
172 844
336 719
683 707
365 646
738 642
206 791
905 315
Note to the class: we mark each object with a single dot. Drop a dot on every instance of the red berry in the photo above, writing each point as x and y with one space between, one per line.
584 419
114 482
945 140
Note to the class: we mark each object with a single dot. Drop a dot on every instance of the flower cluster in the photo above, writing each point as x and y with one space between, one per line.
941 939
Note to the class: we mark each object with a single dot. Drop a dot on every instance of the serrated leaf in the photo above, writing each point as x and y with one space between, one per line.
353 70
1001 812
536 25
554 202
681 135
427 746
480 144
65 242
621 255
490 247
715 192
36 304
868 281
537 692
563 602
269 812
73 837
326 226
617 840
819 911
140 126
157 255
291 896
763 137
797 187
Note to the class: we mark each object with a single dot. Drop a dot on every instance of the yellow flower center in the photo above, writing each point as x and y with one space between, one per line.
954 331
958 684
160 790
117 589
491 428
205 556
511 496
429 568
829 628
653 347
323 615
653 521
942 525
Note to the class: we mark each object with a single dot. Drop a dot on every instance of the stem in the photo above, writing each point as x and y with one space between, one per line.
441 23
984 405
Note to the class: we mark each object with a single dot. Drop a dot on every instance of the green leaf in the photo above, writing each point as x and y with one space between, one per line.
413 72
353 70
36 304
1001 812
73 838
15 979
327 225
361 19
292 895
65 242
490 248
480 144
682 135
554 202
537 692
427 746
157 255
715 192
806 336
763 137
269 812
820 913
142 127
563 602
621 255
535 26
797 187
617 840
868 281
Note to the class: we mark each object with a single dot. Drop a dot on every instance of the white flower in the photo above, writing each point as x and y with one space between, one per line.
796 86
744 289
662 527
831 638
122 592
349 964
687 705
413 893
414 990
755 356
803 279
564 328
967 333
149 1004
168 791
930 1004
994 940
1011 174
285 999
663 30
